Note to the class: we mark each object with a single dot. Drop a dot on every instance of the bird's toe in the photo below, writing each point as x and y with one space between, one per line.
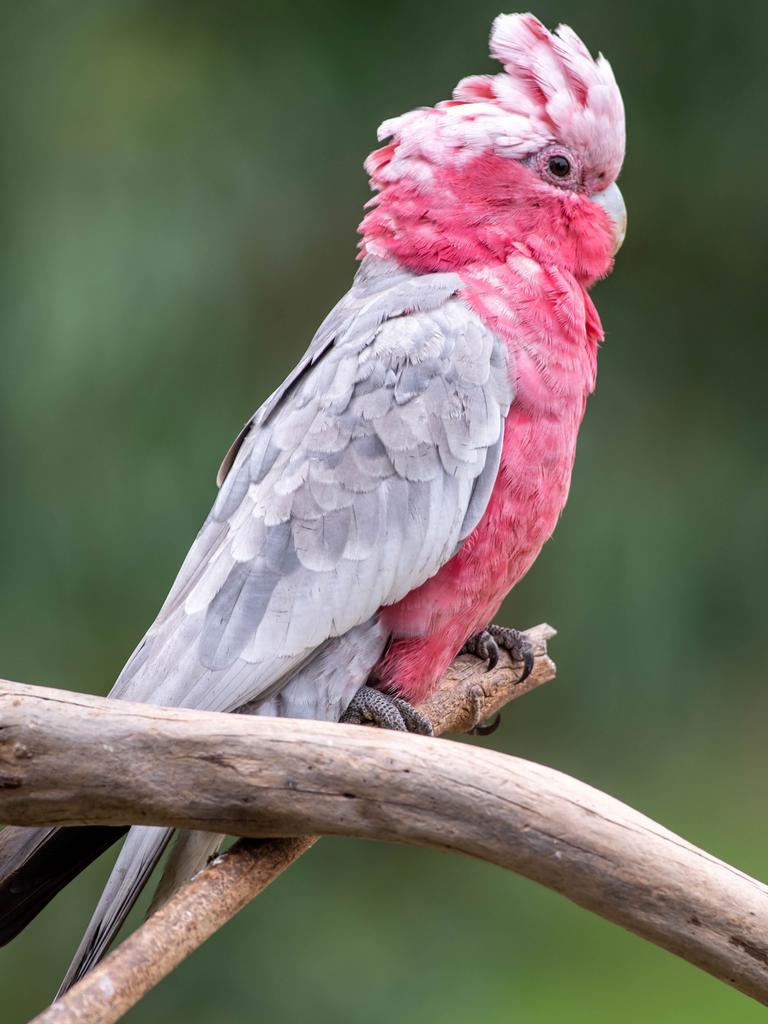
372 707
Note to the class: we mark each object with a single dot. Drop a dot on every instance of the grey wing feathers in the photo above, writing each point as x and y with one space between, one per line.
137 858
352 485
328 680
356 480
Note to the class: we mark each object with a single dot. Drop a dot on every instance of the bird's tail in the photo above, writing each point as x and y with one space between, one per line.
138 857
36 863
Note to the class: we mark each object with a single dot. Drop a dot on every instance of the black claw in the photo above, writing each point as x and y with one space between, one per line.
483 645
488 727
527 664
493 656
516 643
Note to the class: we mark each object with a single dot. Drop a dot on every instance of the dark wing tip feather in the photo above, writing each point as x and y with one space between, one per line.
36 863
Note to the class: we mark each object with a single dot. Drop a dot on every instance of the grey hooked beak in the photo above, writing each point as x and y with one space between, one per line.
612 202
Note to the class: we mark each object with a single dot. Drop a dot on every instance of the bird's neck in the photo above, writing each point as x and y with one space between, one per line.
548 323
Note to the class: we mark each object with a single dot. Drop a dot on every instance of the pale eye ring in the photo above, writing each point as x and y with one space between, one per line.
558 166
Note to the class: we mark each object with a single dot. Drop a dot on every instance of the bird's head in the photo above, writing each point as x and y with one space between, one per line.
526 157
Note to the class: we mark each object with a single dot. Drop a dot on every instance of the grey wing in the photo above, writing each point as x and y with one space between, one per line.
351 486
354 483
137 859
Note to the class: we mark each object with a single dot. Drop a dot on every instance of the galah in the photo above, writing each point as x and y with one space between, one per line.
378 507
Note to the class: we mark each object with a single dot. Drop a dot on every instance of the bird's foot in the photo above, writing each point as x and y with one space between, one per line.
373 707
488 642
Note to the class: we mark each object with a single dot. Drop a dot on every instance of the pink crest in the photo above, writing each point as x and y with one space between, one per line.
551 90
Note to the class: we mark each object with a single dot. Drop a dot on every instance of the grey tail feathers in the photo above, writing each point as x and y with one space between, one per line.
36 863
138 857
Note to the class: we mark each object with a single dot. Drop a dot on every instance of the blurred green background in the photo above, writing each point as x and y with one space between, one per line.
181 182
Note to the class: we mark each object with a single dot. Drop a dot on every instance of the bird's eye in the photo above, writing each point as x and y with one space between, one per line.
559 166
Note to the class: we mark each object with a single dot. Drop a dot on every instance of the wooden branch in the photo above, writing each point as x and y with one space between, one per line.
467 696
75 759
68 758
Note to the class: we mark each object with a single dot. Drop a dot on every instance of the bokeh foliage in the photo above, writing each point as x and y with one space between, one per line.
180 188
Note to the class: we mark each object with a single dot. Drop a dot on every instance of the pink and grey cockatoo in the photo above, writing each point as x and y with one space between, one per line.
376 510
